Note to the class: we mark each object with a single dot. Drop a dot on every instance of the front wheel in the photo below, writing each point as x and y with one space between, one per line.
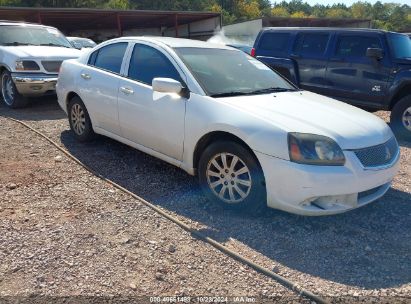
401 118
11 96
230 175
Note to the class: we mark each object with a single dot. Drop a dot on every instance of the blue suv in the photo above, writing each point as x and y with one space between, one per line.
365 67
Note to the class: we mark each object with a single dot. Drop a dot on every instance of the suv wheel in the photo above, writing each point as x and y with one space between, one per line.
231 176
11 96
79 120
401 118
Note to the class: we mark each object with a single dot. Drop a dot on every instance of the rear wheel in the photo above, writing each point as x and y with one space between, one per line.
401 118
79 120
11 96
230 175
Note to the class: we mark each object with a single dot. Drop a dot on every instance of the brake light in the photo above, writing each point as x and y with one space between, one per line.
252 52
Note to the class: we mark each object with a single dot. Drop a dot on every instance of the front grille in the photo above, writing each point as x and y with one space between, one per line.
51 66
380 155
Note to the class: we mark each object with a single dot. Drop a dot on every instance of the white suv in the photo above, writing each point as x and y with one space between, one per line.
30 59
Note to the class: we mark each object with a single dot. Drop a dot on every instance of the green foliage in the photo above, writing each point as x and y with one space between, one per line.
390 16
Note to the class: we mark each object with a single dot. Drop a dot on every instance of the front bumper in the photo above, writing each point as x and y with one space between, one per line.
35 84
323 190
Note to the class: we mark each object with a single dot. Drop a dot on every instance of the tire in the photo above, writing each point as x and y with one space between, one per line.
79 120
401 118
252 195
11 97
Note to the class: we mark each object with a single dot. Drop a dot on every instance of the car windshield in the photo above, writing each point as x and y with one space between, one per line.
87 43
223 72
15 35
401 45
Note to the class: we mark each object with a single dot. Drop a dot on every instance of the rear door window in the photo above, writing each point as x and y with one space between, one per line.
356 45
276 42
311 43
109 57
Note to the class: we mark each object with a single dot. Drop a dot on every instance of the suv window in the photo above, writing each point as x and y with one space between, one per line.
109 57
356 46
147 63
311 43
274 41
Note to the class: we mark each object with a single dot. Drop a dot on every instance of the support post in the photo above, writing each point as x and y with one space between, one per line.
39 18
119 28
176 25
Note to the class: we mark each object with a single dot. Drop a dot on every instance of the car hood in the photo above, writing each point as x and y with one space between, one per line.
32 51
306 112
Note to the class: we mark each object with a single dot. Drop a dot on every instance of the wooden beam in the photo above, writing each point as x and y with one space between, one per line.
119 28
176 25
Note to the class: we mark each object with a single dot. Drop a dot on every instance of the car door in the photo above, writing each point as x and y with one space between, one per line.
352 75
98 85
152 119
309 52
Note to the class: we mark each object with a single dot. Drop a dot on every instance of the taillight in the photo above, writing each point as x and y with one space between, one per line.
252 52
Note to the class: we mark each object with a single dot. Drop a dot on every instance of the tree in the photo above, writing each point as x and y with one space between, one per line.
118 4
299 14
248 9
279 11
361 10
337 13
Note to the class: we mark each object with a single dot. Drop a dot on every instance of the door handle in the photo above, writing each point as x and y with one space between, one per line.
127 91
85 76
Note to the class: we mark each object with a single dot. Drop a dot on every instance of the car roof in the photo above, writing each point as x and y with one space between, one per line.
339 29
176 42
8 22
79 38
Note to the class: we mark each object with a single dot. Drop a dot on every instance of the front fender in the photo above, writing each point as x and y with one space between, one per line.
205 115
285 66
8 59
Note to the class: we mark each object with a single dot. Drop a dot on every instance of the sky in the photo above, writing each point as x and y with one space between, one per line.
349 2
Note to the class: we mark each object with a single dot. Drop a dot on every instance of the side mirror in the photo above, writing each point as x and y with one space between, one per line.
77 45
167 85
376 53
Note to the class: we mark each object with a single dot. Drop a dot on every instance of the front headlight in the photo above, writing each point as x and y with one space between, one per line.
27 65
314 149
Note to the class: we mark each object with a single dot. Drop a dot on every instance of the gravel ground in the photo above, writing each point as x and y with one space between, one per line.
64 232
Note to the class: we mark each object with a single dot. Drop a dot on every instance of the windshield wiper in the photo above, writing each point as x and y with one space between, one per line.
228 94
271 90
53 44
15 43
256 92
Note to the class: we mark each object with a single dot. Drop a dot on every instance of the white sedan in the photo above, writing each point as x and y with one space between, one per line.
253 139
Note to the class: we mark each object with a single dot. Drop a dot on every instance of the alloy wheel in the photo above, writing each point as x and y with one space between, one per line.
78 119
229 178
8 89
406 119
